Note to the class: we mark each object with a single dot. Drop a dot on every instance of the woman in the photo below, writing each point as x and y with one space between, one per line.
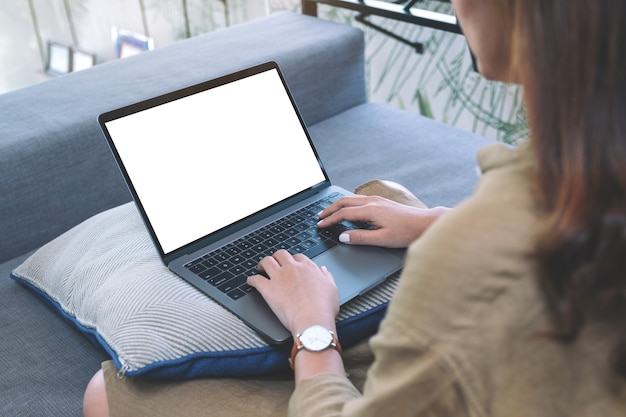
514 303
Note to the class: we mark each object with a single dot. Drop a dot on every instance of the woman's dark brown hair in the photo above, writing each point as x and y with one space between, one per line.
574 77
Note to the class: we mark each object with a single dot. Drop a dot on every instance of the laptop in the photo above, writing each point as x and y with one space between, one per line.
224 173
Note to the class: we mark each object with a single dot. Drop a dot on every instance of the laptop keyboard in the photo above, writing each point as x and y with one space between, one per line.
228 267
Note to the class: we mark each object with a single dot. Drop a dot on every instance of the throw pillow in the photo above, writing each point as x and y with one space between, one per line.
107 279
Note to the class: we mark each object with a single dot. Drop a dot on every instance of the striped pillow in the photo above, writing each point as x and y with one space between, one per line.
107 279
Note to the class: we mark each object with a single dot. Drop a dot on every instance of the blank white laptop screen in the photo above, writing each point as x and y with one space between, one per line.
215 157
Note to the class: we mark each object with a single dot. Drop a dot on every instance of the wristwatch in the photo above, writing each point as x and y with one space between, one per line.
314 339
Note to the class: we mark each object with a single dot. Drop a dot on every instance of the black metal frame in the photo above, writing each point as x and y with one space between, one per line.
402 10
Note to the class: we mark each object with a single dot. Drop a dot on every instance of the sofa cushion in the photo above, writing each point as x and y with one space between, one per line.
106 278
433 160
45 363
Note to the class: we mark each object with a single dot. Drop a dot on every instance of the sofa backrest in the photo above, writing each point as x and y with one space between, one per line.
55 167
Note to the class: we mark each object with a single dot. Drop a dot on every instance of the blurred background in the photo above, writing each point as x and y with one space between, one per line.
38 37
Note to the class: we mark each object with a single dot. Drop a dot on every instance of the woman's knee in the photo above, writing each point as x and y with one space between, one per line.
95 402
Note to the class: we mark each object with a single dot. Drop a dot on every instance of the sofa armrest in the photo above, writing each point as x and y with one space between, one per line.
55 167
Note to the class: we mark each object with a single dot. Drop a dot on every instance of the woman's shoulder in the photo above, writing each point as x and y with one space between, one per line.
501 213
500 155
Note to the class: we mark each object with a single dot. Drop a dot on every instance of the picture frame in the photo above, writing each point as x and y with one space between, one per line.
81 59
128 43
64 58
59 58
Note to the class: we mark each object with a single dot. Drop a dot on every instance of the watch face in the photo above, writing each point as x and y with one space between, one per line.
316 338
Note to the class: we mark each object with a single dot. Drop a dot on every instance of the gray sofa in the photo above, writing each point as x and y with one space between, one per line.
56 170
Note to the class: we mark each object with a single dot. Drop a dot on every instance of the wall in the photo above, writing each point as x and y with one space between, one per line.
440 83
27 25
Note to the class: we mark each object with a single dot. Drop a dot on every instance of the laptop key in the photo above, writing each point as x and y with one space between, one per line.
277 228
244 245
304 235
250 253
225 265
297 249
209 263
237 269
234 250
319 249
233 283
221 278
246 288
308 244
250 264
301 227
210 273
221 255
256 239
291 231
236 294
271 242
260 248
266 234
282 245
197 268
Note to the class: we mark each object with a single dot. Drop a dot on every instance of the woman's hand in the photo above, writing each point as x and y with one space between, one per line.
395 225
299 292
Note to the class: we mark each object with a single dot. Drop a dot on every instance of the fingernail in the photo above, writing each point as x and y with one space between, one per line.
344 238
320 222
320 213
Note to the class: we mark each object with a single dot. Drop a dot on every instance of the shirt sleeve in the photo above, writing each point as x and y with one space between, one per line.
322 395
406 380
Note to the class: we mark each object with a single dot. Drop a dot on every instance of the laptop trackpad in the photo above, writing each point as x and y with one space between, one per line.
357 269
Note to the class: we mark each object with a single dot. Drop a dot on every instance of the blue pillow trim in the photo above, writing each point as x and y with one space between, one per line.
91 334
236 363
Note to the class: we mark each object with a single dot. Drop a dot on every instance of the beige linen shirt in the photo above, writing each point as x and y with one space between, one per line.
463 334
